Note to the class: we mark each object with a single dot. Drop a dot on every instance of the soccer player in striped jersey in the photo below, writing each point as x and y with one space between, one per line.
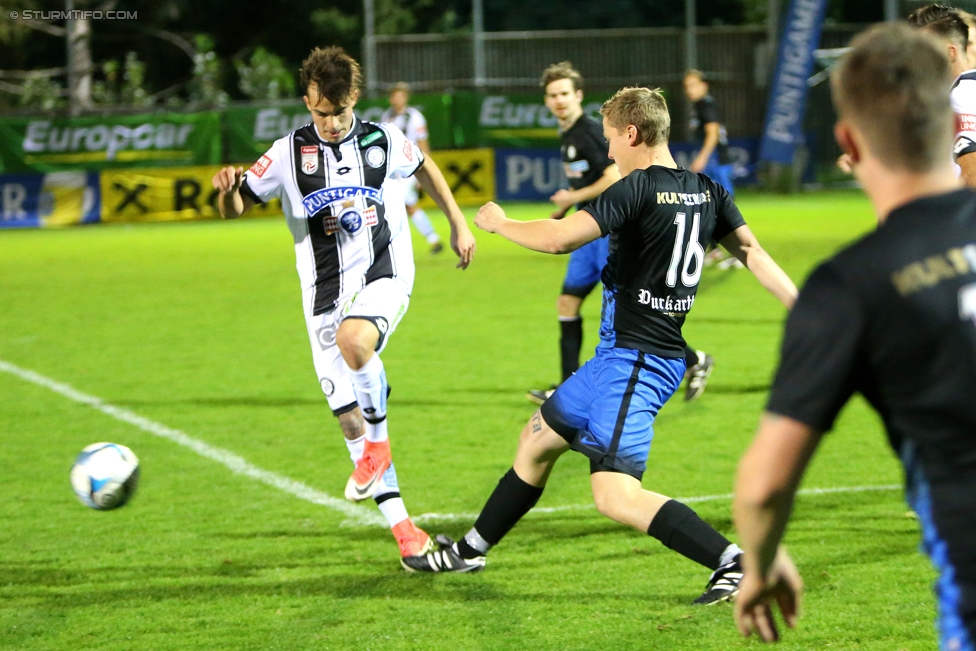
338 179
413 124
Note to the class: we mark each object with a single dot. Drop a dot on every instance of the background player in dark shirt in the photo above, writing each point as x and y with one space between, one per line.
705 126
893 317
589 171
659 219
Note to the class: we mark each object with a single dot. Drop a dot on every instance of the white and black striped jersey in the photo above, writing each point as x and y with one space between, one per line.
411 122
963 100
341 204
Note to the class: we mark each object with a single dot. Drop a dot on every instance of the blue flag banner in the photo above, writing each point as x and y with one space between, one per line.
788 100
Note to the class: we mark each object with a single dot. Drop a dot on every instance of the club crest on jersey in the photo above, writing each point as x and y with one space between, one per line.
319 199
375 156
310 159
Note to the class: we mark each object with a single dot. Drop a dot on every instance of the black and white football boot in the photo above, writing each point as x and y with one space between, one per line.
724 584
444 559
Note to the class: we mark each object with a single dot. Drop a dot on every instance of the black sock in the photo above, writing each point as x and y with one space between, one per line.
691 356
511 499
680 529
570 344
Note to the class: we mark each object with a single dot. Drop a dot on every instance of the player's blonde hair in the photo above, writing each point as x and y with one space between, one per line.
892 86
644 108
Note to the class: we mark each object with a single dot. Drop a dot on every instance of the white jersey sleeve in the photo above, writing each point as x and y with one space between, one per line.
416 126
265 179
405 157
963 100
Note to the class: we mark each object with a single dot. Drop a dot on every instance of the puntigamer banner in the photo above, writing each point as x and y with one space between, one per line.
106 142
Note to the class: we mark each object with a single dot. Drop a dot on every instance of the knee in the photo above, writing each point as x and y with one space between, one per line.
607 504
354 343
568 306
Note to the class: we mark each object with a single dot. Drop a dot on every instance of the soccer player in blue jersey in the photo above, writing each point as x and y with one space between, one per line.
659 219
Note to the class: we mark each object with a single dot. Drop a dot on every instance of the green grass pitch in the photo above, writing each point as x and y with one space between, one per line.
199 327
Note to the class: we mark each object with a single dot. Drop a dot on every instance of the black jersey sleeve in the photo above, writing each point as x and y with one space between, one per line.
727 215
707 111
618 204
818 361
598 153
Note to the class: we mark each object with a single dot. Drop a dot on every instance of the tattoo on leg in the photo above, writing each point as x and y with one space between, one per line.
351 424
536 423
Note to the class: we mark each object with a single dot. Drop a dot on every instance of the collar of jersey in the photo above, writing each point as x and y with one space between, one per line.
354 130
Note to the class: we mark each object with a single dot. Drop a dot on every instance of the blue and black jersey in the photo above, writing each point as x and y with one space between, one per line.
893 317
660 221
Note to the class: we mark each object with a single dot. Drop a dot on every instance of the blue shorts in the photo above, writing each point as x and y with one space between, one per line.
721 174
606 409
585 266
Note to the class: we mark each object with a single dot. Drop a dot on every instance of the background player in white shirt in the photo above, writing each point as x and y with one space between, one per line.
339 184
414 126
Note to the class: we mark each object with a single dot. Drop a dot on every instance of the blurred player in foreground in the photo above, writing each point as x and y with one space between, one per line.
892 316
414 126
659 219
338 181
589 171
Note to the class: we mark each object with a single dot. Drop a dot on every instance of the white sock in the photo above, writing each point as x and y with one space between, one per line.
355 447
422 222
729 554
394 511
369 384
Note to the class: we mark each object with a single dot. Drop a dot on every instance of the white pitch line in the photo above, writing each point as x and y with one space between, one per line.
428 517
357 515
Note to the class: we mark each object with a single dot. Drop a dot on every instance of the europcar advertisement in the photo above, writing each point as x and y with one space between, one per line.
47 144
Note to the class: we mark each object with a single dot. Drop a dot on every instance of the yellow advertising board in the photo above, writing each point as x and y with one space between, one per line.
165 194
470 173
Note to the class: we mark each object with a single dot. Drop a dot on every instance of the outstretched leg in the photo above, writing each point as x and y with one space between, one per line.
620 497
514 496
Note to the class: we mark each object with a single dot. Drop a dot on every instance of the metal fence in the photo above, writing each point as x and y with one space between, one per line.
736 61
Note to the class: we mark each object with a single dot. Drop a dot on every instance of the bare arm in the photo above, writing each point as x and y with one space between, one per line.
711 142
564 199
424 145
543 235
968 164
742 244
766 484
433 182
230 202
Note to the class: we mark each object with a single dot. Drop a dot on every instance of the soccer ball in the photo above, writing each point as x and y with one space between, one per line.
105 475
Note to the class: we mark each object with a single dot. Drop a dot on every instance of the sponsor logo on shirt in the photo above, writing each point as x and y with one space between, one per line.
319 199
376 135
577 169
965 122
693 199
351 221
375 156
408 150
261 166
310 159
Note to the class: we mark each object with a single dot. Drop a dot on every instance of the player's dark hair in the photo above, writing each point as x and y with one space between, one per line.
336 75
892 85
943 21
644 108
561 70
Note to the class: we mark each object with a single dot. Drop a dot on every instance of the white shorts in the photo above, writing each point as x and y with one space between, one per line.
382 302
410 196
